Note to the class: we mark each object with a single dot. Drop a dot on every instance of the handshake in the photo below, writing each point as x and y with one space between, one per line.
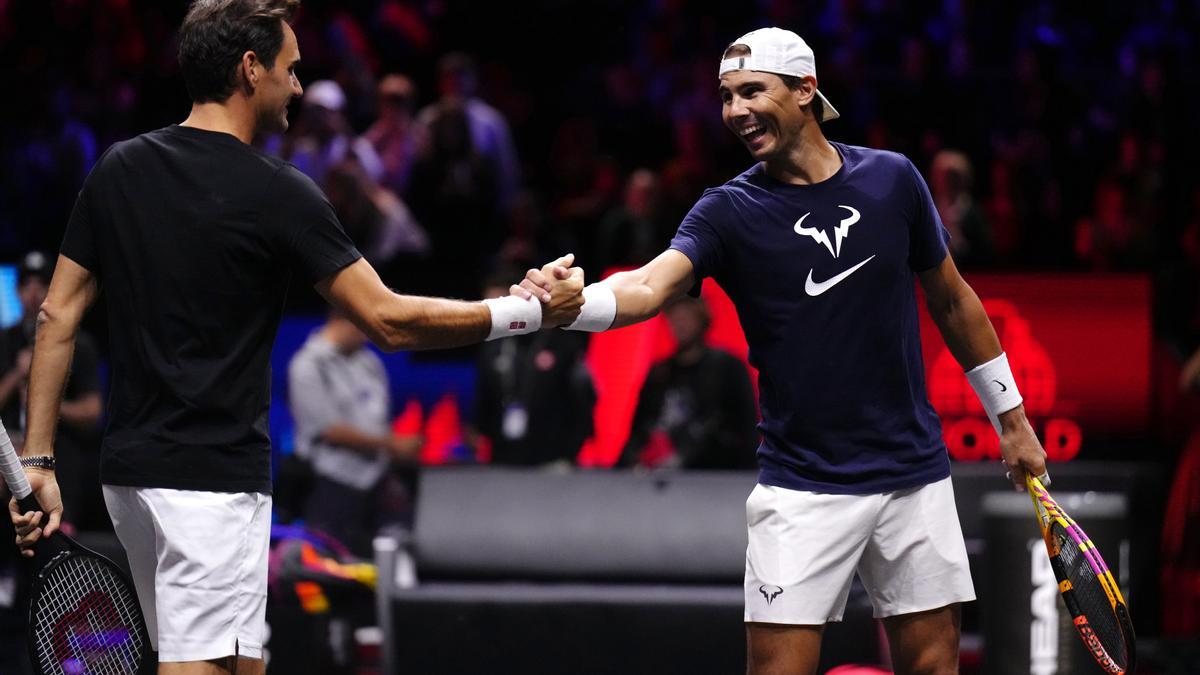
559 288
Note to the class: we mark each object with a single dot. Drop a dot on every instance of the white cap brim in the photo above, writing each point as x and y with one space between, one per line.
828 111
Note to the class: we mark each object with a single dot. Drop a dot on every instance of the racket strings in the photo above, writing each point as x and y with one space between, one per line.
86 620
1091 599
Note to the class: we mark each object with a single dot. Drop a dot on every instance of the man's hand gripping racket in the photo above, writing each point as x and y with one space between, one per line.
84 615
1086 584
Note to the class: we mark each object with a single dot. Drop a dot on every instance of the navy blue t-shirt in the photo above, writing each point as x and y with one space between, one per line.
822 278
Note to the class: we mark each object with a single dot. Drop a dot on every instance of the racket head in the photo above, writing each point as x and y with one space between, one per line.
1089 591
84 616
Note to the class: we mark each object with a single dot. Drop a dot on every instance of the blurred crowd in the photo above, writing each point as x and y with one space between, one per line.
1052 139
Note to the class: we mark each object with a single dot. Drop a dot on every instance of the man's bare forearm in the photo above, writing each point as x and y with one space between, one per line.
394 321
72 291
966 329
413 322
641 293
636 301
52 353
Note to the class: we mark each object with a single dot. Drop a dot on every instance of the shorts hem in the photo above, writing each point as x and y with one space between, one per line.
207 652
791 622
922 607
183 652
249 651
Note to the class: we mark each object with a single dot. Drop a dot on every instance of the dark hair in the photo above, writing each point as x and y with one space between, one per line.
215 34
793 83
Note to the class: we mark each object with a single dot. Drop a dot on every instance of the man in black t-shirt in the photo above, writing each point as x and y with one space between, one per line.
193 235
696 408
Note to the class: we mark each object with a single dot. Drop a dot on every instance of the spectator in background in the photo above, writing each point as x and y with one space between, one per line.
1002 213
454 193
950 182
696 408
340 401
1109 239
584 184
633 232
394 134
489 134
533 395
77 436
322 137
377 220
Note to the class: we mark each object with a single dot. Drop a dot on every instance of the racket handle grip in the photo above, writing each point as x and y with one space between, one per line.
30 503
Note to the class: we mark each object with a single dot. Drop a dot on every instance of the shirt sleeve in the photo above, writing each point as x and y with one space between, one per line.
927 236
302 222
79 241
698 236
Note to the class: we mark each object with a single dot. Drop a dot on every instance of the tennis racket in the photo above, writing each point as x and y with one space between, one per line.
84 616
1086 584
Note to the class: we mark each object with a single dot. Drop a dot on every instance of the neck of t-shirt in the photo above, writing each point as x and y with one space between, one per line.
814 160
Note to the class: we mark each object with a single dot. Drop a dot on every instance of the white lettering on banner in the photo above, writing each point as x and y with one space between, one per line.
1043 603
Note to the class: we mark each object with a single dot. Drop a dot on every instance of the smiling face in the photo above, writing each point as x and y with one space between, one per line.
763 112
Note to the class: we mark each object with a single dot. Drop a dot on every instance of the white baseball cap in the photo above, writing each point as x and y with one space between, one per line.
326 94
779 51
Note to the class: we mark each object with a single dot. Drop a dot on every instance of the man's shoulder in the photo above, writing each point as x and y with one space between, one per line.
751 176
175 139
874 158
720 195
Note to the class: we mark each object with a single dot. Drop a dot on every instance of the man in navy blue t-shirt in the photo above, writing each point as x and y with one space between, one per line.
817 245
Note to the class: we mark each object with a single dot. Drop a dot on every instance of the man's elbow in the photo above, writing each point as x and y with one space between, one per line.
393 342
45 316
389 338
51 316
388 333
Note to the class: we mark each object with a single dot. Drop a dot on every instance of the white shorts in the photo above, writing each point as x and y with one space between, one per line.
805 547
199 563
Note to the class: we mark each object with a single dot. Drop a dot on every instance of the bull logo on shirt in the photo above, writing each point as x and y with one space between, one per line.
770 592
840 231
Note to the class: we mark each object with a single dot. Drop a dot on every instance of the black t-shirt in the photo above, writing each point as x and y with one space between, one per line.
192 236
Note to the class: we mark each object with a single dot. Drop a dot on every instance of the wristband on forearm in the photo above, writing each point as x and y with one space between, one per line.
994 385
599 309
513 316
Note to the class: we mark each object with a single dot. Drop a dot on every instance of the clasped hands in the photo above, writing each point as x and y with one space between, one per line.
558 286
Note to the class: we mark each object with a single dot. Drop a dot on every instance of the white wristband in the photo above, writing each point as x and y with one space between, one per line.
599 309
994 385
513 316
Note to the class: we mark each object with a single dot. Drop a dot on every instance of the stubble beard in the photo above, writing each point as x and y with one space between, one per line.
273 122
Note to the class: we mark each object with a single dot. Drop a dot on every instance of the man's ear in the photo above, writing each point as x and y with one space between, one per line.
807 90
250 69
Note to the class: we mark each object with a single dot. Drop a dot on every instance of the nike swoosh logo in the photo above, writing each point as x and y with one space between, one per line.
814 289
1002 387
